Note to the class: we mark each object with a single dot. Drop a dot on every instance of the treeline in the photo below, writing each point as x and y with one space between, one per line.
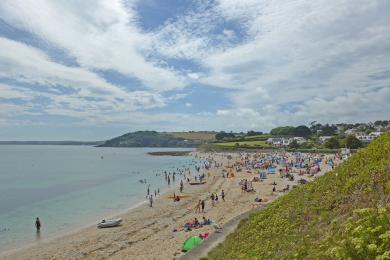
299 131
223 135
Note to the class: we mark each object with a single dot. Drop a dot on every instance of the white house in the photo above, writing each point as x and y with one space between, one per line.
350 131
368 138
300 140
282 141
376 134
275 141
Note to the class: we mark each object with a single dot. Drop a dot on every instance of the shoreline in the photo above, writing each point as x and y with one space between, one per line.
144 226
14 249
6 253
170 153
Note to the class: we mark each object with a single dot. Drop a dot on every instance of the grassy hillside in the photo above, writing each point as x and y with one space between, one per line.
149 139
344 214
203 136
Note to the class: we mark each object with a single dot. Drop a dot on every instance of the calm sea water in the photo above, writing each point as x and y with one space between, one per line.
68 187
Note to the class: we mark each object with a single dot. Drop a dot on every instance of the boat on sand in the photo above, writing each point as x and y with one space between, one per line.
105 223
198 183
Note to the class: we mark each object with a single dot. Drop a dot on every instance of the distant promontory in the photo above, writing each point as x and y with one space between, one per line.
159 139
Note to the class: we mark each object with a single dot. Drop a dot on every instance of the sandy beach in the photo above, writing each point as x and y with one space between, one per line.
148 233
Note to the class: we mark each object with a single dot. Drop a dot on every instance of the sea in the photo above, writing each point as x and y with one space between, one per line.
69 187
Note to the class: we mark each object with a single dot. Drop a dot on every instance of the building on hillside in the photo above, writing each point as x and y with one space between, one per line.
324 138
350 131
367 138
283 141
300 140
277 142
376 134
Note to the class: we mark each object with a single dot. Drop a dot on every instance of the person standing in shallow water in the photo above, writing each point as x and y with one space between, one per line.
38 224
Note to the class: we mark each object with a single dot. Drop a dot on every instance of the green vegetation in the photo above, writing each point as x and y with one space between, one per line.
245 143
149 139
332 143
352 142
202 136
340 141
221 135
302 131
283 130
344 214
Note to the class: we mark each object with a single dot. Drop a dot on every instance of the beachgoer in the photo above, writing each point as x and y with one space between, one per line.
151 201
223 195
197 208
202 204
212 199
38 224
196 223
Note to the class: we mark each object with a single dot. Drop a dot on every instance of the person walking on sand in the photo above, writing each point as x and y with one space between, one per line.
223 195
212 199
38 224
151 201
202 204
197 209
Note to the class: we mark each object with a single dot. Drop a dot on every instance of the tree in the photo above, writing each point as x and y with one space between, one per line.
302 131
328 130
352 142
332 143
221 135
283 130
252 133
294 144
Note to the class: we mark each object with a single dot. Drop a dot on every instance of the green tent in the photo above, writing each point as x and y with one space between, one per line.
190 243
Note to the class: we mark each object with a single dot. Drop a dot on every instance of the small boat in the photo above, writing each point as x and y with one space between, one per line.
197 183
105 223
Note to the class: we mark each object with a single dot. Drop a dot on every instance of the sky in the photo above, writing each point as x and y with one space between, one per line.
95 69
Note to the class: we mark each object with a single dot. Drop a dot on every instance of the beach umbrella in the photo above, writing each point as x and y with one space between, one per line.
190 243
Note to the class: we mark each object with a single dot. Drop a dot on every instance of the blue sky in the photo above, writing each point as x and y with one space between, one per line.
91 70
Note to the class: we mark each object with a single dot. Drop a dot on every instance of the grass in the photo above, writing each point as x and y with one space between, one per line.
203 136
262 137
344 214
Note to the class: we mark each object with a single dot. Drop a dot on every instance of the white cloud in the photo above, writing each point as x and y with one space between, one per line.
188 104
87 92
98 34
